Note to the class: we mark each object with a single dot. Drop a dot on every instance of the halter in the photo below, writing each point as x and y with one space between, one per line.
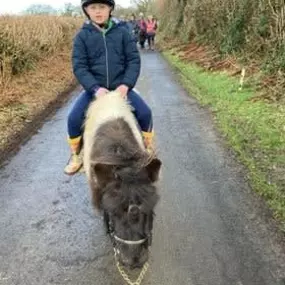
130 242
115 238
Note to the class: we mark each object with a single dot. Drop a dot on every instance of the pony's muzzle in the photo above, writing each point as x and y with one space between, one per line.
134 262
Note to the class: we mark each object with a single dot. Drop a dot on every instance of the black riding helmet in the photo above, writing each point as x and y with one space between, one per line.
85 3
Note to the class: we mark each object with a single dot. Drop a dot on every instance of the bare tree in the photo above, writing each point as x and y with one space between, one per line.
40 9
144 6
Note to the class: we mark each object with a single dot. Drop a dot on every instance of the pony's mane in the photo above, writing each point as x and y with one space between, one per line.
112 135
116 145
109 107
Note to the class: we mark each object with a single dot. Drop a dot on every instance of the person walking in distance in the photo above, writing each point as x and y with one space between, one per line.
151 27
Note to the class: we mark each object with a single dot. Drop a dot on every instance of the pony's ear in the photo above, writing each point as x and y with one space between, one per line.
153 169
104 173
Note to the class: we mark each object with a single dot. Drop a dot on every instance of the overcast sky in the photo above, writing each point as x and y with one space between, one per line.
16 6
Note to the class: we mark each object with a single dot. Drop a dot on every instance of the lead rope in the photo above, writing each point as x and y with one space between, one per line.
125 275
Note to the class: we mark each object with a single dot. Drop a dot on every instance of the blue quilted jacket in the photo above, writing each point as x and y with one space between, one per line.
105 59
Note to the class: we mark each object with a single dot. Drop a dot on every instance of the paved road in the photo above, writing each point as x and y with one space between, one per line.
209 229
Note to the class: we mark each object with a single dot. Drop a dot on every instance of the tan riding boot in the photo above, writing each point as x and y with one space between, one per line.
148 141
75 162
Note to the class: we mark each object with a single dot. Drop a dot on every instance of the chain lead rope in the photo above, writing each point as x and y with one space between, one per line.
125 275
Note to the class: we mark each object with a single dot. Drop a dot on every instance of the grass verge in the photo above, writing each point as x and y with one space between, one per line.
255 130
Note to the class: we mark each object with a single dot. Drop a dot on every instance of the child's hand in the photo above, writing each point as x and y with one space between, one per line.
123 90
101 92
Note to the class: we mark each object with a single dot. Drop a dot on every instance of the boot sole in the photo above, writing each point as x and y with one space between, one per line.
74 172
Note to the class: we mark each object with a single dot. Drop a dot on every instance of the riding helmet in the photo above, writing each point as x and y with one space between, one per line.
85 3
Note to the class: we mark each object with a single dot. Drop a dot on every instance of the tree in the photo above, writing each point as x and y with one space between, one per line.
71 10
144 6
40 9
121 11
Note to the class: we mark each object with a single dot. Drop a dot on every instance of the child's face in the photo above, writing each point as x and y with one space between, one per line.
98 13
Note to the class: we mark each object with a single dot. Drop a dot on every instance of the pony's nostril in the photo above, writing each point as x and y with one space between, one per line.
134 210
136 263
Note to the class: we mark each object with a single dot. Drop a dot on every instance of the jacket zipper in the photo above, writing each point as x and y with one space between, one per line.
107 66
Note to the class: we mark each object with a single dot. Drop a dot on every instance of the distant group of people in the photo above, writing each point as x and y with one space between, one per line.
143 29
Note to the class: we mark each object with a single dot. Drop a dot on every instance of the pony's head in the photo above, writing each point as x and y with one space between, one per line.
128 200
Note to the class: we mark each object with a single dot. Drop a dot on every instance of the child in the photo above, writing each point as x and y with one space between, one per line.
105 58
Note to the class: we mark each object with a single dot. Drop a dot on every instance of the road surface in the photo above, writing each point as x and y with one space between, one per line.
210 228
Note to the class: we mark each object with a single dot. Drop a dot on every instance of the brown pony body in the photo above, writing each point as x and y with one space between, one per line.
121 176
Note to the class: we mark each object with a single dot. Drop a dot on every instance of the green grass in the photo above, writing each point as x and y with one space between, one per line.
255 130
